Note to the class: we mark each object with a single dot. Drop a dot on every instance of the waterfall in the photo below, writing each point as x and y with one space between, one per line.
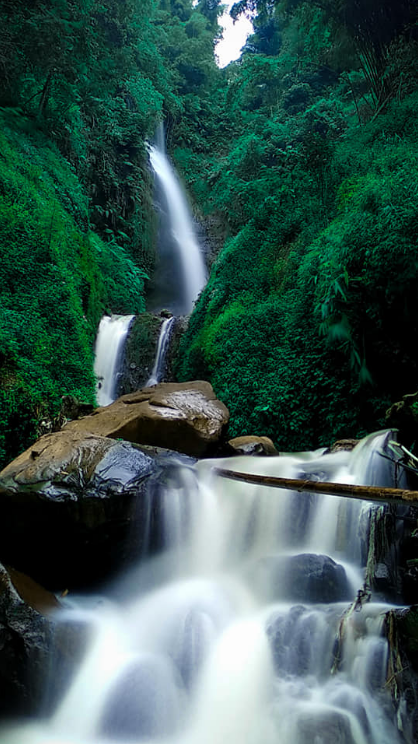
182 270
249 634
110 341
162 349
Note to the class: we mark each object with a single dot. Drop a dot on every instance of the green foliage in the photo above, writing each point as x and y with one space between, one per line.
83 84
304 152
305 326
56 280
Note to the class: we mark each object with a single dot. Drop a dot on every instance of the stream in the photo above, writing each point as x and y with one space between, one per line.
245 630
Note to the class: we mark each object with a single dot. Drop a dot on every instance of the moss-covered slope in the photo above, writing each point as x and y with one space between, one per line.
56 279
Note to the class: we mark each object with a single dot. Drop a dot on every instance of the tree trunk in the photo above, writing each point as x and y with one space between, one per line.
364 493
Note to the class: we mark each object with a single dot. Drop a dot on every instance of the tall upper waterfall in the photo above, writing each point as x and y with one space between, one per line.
182 269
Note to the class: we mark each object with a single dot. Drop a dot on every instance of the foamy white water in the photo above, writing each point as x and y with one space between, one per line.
162 349
224 649
111 337
188 252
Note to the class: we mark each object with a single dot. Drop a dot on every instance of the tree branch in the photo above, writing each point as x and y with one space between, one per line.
364 493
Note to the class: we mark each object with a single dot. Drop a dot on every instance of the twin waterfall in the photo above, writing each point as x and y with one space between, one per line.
181 272
180 277
246 630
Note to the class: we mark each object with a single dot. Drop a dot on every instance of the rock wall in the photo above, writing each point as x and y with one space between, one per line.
139 354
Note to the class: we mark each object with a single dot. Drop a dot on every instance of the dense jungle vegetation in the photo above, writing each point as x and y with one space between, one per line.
83 83
304 152
307 326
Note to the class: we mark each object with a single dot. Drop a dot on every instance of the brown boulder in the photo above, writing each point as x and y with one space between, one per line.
186 417
342 445
33 594
252 445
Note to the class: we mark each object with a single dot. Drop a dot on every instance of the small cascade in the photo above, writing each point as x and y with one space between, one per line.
111 337
251 632
182 272
162 349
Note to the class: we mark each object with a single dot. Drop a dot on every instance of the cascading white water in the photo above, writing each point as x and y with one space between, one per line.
161 355
184 241
111 337
224 649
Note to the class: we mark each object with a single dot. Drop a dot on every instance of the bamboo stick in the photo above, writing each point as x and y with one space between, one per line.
364 493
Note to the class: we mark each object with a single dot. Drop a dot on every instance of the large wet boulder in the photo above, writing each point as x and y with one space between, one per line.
303 578
25 640
75 508
34 647
316 578
186 417
252 445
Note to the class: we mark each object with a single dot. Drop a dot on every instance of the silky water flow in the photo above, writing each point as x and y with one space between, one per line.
162 350
181 271
231 635
110 342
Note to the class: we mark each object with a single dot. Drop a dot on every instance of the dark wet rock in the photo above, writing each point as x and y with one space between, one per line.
252 445
74 509
316 578
401 627
33 646
343 445
139 352
25 638
306 578
325 727
173 352
392 553
381 576
403 415
143 702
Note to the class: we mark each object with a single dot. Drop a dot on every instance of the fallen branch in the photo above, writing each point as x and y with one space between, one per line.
364 493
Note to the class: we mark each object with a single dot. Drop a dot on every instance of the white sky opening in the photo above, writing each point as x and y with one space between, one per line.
234 36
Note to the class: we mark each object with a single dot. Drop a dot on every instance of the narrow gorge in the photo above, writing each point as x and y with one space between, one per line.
208 282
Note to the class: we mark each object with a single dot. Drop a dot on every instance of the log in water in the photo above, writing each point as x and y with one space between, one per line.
233 635
351 491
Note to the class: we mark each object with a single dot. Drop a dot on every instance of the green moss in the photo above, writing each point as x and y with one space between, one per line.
305 328
56 280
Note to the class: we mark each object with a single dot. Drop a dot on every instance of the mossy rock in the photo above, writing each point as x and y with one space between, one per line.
140 351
